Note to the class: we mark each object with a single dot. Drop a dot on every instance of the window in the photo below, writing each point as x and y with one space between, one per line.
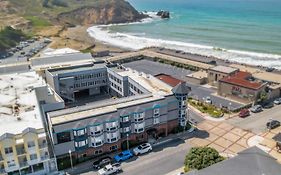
9 150
11 163
63 137
98 152
139 130
111 126
114 147
33 156
156 112
81 143
139 116
126 129
156 120
125 118
79 132
30 144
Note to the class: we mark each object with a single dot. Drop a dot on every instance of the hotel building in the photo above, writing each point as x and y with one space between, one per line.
108 104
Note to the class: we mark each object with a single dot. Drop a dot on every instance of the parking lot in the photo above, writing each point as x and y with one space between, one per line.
24 51
198 92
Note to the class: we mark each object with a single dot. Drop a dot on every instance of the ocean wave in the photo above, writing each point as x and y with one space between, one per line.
136 41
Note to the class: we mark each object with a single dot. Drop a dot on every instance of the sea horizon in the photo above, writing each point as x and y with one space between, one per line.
235 30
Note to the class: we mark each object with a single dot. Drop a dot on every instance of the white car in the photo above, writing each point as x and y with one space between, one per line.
277 101
208 100
143 148
110 169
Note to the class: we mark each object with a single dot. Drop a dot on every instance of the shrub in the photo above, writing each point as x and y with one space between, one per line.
60 3
201 157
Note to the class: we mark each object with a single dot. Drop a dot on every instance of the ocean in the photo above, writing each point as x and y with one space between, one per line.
244 31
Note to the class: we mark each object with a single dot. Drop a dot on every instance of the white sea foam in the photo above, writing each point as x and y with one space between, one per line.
137 41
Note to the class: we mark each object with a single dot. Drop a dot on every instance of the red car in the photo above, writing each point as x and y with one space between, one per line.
244 113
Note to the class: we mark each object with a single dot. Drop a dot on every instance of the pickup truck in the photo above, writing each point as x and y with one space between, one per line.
110 169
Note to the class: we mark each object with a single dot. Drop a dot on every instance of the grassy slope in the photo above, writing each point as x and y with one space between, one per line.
9 37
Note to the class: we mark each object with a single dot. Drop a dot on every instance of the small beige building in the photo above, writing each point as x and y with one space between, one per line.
219 72
198 78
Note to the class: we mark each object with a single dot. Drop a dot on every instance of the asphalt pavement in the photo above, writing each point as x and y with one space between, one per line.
256 122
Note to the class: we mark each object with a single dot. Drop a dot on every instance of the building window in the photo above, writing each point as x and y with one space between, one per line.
9 150
111 126
113 148
63 137
80 132
139 130
81 143
33 156
156 120
125 118
11 163
126 129
30 144
98 152
139 116
156 111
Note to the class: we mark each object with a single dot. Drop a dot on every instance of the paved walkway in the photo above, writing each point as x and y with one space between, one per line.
225 138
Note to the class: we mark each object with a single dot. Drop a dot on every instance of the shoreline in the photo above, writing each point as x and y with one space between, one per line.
78 38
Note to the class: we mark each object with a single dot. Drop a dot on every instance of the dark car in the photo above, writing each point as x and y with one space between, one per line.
268 105
269 69
272 124
244 113
102 162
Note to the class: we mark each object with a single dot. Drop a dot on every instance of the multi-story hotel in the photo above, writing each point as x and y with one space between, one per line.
108 104
23 140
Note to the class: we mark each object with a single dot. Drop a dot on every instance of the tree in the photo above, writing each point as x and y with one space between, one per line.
201 157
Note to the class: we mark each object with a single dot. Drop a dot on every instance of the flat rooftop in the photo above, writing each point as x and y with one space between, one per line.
198 75
223 69
78 68
18 103
157 90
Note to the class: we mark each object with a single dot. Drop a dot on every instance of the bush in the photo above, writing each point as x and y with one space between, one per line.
201 157
45 3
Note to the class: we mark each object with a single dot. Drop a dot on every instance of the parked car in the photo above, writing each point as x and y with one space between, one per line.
143 148
101 162
256 109
277 101
110 169
269 69
125 155
208 100
244 113
268 105
272 124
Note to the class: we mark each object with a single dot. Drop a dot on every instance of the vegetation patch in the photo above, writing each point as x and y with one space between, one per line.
38 22
201 157
207 108
10 37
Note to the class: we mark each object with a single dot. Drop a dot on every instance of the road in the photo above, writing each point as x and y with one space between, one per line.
162 160
256 122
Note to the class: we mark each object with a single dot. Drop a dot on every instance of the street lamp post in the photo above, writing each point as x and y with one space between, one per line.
229 109
70 157
127 141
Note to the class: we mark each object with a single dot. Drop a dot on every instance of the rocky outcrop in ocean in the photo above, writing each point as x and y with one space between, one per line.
163 14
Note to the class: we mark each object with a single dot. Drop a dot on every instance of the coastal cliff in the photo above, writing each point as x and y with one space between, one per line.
103 12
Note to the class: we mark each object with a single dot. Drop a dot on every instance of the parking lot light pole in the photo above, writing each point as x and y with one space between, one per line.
127 141
70 157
